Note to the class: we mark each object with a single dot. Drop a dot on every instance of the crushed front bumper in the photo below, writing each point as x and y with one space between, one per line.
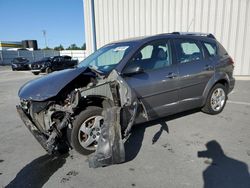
40 137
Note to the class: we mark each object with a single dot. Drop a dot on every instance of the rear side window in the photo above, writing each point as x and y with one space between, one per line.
211 48
188 51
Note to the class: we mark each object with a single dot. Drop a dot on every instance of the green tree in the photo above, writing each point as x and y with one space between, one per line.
83 46
47 48
73 47
59 48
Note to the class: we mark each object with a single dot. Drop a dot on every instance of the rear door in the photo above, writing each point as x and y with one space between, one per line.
67 62
157 85
61 63
56 63
195 70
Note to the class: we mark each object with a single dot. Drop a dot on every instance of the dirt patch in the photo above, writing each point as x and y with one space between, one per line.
69 175
168 147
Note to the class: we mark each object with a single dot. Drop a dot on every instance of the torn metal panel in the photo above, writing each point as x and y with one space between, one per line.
40 137
132 119
110 149
127 95
103 88
99 90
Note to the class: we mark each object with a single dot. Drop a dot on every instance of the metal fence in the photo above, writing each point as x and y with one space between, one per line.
7 56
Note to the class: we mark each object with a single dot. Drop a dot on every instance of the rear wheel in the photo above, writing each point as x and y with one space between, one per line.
86 130
216 100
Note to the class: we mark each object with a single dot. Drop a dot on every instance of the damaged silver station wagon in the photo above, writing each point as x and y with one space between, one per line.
93 106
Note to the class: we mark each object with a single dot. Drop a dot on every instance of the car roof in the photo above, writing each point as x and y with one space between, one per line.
191 35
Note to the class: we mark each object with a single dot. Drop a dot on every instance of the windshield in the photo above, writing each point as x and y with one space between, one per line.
19 59
106 58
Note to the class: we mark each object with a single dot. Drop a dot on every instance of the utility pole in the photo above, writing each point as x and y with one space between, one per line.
45 38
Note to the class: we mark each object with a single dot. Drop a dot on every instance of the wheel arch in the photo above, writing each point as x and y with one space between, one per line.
221 78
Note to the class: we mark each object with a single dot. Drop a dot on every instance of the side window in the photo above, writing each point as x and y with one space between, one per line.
188 51
56 59
147 52
211 48
152 56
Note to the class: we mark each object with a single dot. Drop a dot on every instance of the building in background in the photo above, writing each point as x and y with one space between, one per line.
25 44
29 50
5 45
228 20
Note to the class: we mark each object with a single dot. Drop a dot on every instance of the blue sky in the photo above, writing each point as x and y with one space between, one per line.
25 19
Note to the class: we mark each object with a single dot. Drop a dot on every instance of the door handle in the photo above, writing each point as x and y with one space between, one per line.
208 67
171 75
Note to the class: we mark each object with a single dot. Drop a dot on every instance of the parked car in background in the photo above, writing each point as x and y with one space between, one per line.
50 64
20 63
147 78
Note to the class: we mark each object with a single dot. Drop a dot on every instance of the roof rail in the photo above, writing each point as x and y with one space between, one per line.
195 34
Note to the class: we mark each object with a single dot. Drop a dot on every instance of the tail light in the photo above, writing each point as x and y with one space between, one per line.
231 61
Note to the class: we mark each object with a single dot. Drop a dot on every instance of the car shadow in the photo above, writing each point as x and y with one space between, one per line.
134 143
223 171
38 172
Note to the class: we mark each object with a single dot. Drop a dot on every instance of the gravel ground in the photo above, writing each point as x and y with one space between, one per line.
164 153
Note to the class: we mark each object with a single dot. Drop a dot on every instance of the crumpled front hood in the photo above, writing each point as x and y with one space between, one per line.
48 86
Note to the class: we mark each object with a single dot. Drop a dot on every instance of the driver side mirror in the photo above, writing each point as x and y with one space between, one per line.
131 70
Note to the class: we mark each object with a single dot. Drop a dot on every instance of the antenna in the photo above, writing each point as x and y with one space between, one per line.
192 21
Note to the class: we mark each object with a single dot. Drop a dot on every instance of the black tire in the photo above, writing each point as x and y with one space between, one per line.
35 73
79 119
208 107
48 70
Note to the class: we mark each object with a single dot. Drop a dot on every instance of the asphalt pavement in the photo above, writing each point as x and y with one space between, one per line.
187 150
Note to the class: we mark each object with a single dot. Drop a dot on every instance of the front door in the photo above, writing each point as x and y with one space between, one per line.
157 85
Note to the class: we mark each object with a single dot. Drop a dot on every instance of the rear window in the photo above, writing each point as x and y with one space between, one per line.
67 57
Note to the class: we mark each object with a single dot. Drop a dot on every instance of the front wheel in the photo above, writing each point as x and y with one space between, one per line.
86 130
216 100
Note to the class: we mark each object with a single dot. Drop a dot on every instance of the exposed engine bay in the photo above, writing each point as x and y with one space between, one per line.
50 118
